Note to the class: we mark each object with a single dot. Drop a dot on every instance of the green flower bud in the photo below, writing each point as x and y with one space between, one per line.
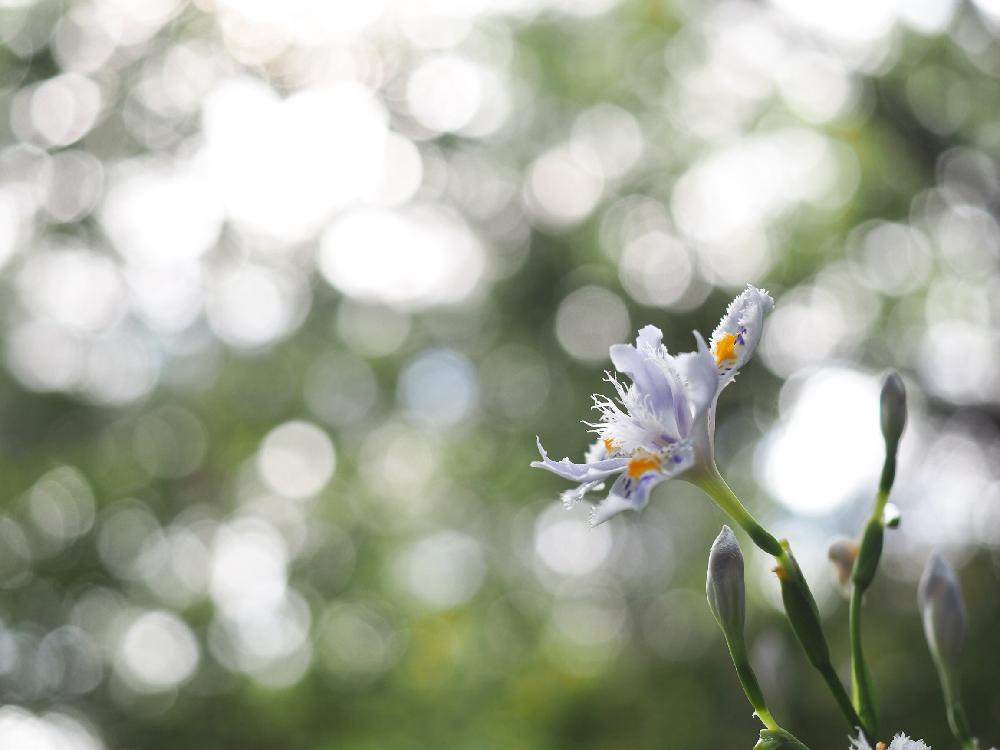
943 611
893 407
801 610
868 555
725 589
778 739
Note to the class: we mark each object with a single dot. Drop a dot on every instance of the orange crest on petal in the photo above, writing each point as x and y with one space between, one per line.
725 348
642 464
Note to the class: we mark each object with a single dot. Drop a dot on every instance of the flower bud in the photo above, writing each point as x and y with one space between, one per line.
869 553
725 589
942 610
893 408
800 606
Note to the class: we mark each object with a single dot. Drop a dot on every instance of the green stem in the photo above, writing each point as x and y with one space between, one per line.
957 720
769 722
840 695
882 497
888 473
862 575
863 694
773 737
748 680
800 606
716 488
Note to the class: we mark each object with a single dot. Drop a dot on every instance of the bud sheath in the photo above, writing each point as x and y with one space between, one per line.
771 739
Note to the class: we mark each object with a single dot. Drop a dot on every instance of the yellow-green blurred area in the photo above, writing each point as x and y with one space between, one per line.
290 287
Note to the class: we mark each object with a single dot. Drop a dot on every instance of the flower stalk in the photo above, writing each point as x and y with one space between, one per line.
862 686
715 486
958 722
892 408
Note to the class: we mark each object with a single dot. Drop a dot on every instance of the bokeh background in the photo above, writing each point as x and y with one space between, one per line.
289 288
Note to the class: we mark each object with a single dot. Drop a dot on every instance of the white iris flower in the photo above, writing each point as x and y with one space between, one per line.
662 425
899 742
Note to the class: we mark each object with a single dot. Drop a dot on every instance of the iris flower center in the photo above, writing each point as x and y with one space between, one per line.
642 463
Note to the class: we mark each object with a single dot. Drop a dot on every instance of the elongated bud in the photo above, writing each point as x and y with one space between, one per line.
943 611
869 554
727 600
725 588
893 406
893 412
777 739
801 610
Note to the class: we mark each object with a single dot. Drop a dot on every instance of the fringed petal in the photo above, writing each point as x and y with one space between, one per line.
646 364
899 742
588 472
735 339
902 742
571 497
